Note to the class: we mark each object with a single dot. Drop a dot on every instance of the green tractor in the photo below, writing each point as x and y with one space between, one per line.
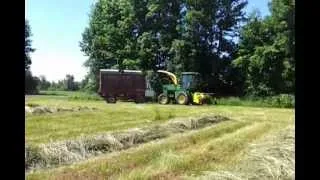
185 92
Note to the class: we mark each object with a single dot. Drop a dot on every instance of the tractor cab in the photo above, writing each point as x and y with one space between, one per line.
190 80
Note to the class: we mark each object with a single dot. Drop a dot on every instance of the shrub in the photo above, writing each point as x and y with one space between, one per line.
283 100
280 101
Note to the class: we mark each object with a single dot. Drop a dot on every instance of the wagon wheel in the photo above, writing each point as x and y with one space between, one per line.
111 99
163 99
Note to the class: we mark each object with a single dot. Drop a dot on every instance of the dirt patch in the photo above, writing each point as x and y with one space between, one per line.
66 152
37 109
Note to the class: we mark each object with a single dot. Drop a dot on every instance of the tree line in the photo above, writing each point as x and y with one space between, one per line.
36 84
196 35
236 53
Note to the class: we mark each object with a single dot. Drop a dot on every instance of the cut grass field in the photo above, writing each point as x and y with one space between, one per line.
107 117
215 148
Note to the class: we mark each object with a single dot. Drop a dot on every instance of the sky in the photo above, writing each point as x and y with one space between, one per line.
57 26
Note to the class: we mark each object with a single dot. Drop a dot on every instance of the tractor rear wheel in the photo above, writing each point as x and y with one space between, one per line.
163 99
182 99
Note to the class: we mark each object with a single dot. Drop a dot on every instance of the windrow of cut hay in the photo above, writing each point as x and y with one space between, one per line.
272 158
69 151
37 109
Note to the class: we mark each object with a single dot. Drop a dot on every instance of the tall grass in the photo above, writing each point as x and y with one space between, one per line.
73 95
280 101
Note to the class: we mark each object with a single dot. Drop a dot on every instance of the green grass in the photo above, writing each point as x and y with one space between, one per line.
214 148
64 93
271 157
71 151
68 125
60 126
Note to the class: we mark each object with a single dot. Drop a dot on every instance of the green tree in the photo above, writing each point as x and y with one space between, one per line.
207 41
27 43
266 56
69 84
53 86
160 27
31 82
84 83
129 34
106 41
43 83
178 35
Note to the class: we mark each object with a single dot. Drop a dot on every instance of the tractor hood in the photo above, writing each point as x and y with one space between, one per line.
171 75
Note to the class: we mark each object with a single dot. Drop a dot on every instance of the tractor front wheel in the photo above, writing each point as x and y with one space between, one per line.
163 99
182 99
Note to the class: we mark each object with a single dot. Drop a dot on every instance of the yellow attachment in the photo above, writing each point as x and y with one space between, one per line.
171 75
198 97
